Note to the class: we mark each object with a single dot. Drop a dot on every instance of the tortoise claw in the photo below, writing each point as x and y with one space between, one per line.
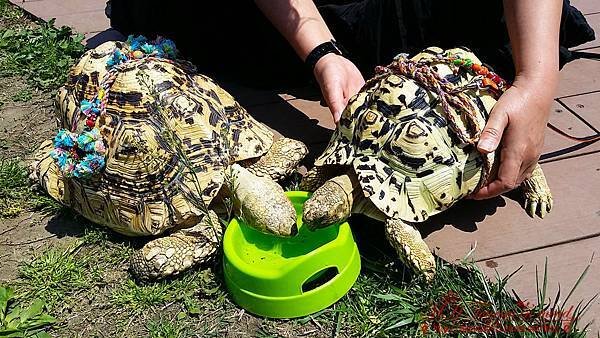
531 208
539 205
538 199
543 209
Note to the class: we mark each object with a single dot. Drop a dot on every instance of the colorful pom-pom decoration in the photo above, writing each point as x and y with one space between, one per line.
79 155
82 155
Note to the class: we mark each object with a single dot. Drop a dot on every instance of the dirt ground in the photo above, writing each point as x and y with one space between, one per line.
23 126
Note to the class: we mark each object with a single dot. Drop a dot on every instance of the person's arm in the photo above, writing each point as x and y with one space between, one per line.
303 27
519 117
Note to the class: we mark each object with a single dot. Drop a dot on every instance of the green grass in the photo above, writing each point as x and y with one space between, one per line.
57 274
186 289
174 328
15 193
41 53
460 300
384 302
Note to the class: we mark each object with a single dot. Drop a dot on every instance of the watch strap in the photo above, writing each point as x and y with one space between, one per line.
321 50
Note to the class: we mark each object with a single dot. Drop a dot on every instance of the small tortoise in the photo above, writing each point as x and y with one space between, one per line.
404 150
176 142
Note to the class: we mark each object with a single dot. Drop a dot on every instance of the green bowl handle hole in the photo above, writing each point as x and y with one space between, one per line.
320 278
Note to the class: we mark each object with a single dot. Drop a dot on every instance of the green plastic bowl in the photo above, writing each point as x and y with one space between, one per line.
289 277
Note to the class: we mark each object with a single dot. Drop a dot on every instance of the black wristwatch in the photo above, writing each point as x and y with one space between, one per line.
323 49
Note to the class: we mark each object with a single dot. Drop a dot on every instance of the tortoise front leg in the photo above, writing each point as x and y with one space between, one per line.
538 199
281 160
410 246
168 256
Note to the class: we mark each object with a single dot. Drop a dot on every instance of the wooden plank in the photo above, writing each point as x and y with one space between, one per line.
48 9
299 119
587 107
86 22
579 77
594 21
500 227
565 264
587 6
558 147
84 16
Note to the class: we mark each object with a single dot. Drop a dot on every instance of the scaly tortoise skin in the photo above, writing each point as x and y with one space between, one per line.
147 187
395 157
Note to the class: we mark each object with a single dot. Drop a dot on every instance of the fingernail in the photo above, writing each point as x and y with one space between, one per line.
486 145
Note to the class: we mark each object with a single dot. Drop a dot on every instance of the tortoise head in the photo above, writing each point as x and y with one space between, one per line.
262 203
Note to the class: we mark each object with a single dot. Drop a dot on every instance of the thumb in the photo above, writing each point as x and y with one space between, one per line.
335 102
492 133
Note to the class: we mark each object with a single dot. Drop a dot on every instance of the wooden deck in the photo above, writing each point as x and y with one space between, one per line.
504 236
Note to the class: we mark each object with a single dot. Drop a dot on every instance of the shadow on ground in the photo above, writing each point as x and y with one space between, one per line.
69 224
464 216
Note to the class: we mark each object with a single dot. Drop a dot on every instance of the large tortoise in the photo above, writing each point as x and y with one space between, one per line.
404 150
176 145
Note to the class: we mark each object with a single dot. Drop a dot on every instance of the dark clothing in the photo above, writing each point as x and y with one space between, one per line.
378 30
233 40
229 40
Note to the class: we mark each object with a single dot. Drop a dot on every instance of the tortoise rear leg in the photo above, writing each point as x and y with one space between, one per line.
538 199
410 246
167 256
281 160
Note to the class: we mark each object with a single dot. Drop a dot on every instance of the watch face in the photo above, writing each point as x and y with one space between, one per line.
340 49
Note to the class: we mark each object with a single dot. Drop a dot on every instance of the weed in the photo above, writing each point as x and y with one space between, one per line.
18 321
9 12
42 54
292 183
15 194
22 95
57 273
188 173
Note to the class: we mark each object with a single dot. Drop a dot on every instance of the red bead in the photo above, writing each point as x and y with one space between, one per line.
495 78
90 123
475 67
489 83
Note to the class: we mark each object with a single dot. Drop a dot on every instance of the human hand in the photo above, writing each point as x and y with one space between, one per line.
339 80
518 119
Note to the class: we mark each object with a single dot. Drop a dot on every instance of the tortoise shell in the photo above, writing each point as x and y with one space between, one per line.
162 119
397 138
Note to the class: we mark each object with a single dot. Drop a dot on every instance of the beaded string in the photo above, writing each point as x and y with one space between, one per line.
83 155
449 94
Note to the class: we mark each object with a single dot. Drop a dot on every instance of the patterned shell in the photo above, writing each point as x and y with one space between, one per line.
161 120
396 136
